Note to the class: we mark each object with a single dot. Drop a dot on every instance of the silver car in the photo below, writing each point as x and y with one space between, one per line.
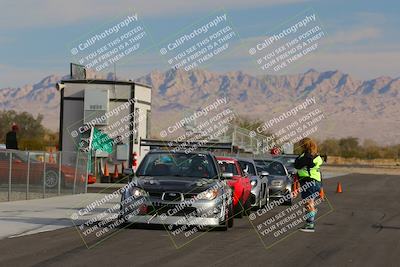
258 180
178 189
279 179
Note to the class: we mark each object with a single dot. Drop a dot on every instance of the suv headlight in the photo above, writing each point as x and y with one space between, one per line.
253 183
208 195
138 192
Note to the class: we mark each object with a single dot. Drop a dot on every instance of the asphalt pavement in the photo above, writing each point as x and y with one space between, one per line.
359 227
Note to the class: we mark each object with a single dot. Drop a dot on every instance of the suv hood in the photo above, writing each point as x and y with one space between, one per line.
277 177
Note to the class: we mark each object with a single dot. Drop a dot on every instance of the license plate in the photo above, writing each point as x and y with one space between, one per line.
276 182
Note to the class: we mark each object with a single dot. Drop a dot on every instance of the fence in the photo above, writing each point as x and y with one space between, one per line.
38 174
248 142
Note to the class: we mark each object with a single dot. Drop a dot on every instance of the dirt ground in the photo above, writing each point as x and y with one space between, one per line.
367 162
362 170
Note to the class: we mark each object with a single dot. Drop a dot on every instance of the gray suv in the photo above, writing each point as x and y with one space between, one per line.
178 189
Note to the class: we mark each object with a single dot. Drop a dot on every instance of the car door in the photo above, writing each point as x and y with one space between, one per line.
4 167
263 181
247 181
19 168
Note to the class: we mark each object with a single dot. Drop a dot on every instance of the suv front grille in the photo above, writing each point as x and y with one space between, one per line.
155 194
171 210
172 196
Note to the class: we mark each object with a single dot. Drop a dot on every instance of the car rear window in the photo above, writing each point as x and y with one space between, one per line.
272 167
247 165
228 166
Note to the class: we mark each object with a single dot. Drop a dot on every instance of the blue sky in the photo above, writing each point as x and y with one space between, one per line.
362 40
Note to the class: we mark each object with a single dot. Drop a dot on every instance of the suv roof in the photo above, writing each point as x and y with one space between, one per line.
246 159
226 158
176 152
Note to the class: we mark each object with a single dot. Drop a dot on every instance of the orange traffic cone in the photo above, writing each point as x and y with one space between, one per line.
106 175
339 188
51 157
116 172
295 190
322 193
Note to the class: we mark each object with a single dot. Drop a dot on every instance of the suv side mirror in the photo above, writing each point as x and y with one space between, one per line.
246 170
227 175
264 173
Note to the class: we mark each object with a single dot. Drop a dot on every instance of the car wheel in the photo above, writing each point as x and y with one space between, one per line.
289 202
247 207
260 204
230 216
265 199
51 179
123 223
239 209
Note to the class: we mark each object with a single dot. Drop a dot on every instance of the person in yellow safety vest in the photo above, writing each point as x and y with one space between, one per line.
308 170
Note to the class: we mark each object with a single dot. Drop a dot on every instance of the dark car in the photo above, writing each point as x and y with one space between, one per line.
178 189
288 161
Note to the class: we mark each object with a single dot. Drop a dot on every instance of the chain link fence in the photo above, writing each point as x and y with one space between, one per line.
36 174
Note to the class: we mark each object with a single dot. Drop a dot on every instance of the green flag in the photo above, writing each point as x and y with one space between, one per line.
101 141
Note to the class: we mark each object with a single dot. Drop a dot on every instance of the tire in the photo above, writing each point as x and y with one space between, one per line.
290 201
51 179
239 209
124 223
247 207
230 216
265 196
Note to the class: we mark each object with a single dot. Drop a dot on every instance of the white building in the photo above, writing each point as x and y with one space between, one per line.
120 109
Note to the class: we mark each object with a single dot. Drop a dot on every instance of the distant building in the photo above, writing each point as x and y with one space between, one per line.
120 110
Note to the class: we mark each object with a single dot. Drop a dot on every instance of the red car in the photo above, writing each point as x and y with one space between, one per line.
19 171
239 183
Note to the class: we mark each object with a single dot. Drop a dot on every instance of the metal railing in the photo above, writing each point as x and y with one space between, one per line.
249 142
39 174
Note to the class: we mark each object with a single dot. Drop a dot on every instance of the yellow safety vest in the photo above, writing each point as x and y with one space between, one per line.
313 172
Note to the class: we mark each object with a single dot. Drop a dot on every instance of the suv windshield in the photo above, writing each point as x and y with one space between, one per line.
177 164
272 167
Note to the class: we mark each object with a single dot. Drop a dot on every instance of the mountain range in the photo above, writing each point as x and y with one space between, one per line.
367 109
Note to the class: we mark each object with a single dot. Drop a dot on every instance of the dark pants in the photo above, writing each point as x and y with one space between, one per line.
310 188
